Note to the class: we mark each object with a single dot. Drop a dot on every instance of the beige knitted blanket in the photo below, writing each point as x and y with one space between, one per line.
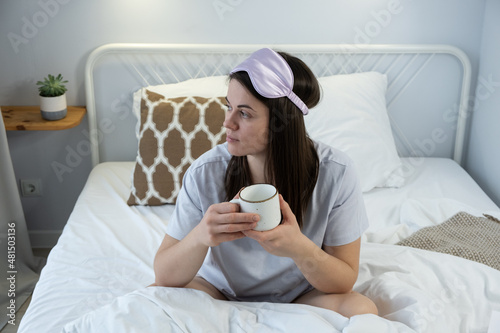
462 235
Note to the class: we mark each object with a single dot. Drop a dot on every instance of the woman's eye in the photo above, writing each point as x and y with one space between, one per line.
242 113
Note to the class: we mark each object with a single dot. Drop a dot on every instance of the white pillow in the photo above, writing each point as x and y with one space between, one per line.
352 117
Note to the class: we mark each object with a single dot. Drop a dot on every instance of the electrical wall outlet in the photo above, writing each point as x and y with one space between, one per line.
31 187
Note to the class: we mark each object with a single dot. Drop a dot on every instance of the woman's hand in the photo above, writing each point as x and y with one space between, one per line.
223 223
284 240
177 262
333 270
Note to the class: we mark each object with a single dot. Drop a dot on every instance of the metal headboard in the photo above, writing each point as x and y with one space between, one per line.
428 86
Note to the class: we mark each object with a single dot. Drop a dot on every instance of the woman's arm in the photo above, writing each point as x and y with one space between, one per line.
332 270
177 262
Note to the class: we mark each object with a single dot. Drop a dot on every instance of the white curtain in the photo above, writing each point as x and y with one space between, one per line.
20 268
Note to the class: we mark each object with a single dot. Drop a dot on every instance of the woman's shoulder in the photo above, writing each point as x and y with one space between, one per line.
328 154
335 166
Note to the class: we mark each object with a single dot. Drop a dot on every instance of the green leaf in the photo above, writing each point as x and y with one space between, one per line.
52 86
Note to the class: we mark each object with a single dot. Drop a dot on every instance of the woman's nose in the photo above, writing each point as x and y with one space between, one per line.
229 122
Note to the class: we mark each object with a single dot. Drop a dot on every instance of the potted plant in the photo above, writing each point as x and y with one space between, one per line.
53 97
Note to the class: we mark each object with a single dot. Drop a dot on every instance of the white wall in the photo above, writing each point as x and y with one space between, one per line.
483 159
56 36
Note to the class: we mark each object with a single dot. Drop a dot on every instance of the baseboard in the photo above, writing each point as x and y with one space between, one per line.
44 239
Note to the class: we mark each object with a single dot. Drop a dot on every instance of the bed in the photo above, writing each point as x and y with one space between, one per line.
407 137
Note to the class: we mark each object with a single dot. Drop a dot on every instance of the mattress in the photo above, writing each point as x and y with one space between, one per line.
103 261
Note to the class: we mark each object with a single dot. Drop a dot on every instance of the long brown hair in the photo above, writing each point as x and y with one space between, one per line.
292 162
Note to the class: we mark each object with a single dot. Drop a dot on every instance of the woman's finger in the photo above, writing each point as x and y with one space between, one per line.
285 209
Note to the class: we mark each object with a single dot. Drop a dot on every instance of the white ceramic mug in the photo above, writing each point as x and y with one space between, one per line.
261 199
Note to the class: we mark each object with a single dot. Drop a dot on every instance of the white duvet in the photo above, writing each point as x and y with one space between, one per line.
180 310
96 277
415 290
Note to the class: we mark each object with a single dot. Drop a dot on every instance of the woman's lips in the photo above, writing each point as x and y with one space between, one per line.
230 139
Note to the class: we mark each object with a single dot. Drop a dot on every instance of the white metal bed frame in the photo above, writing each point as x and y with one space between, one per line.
153 64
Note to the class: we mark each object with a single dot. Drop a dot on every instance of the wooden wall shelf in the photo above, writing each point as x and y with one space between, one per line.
29 118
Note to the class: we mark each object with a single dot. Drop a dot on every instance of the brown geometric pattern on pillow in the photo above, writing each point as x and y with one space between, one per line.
173 133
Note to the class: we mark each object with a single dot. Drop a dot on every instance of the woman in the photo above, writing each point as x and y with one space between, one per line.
312 257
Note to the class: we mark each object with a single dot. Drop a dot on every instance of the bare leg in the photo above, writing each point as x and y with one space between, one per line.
200 283
348 305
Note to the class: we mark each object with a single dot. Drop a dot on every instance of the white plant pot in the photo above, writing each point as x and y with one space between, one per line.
53 108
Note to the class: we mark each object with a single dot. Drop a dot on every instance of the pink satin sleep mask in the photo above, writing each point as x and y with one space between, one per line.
271 76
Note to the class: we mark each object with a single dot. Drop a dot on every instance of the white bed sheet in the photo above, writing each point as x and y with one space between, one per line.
103 260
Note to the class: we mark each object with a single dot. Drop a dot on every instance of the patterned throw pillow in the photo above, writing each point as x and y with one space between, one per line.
173 133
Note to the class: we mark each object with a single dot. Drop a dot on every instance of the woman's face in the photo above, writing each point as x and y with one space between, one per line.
246 123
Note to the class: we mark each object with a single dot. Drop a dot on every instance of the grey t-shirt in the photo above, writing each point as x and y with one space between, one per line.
242 270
